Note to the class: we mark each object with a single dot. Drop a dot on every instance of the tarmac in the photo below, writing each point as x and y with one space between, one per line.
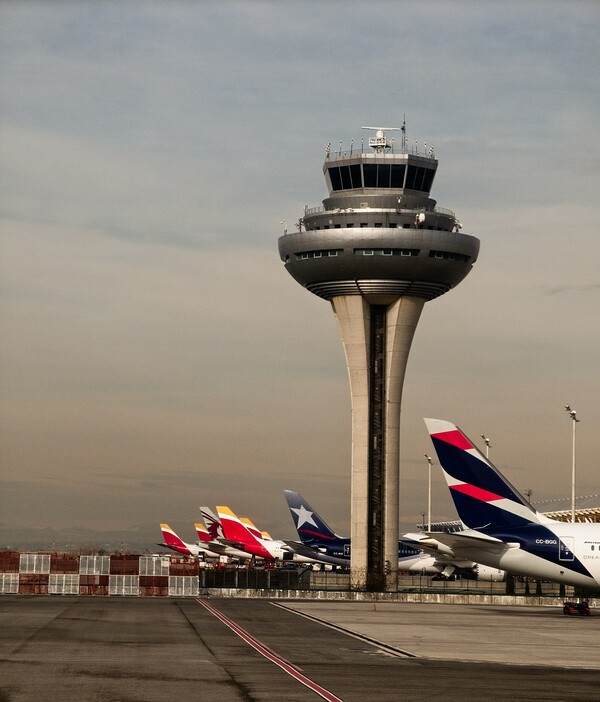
62 648
514 635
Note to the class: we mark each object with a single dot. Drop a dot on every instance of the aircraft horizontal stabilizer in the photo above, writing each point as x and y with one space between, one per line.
467 539
233 543
317 556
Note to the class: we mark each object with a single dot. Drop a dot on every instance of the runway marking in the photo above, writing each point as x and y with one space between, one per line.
387 648
286 666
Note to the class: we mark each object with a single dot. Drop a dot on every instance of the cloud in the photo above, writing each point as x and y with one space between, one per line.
155 353
570 289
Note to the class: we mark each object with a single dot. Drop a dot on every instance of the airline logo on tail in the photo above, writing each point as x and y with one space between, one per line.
310 526
212 523
481 494
504 531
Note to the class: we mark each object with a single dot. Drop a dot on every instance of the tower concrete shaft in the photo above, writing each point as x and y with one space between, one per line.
377 249
376 340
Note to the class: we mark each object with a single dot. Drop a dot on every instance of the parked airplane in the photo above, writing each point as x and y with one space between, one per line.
502 529
213 537
315 533
239 535
172 541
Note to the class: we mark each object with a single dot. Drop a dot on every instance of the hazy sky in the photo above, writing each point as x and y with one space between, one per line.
155 355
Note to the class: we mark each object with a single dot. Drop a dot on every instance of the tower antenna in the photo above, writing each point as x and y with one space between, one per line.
403 129
380 143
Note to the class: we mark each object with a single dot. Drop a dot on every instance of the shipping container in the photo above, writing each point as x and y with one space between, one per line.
124 585
93 584
154 565
64 563
34 584
154 585
94 565
183 567
63 584
9 583
9 561
183 586
124 565
37 563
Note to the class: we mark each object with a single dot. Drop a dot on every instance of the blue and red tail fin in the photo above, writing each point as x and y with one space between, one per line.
484 498
309 525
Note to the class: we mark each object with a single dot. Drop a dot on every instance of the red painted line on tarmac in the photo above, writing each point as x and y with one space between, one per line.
289 668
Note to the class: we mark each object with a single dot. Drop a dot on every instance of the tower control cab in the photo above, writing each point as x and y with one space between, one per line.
379 233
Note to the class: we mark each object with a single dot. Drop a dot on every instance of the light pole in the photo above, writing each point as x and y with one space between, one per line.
429 461
573 415
487 445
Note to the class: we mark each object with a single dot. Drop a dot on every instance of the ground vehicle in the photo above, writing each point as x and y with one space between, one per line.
577 608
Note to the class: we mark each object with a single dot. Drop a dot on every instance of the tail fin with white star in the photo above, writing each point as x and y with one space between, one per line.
310 527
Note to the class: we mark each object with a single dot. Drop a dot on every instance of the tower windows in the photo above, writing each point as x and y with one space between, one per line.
305 255
380 175
383 175
370 175
335 178
386 252
449 256
345 177
397 178
418 178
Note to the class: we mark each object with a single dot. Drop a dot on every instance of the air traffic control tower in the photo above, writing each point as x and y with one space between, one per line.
377 249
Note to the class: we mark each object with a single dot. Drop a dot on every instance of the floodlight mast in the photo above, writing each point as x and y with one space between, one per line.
377 250
573 415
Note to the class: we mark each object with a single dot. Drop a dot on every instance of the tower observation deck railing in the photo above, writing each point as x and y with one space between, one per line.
309 211
392 151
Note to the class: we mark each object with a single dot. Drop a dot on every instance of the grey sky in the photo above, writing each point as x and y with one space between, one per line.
154 353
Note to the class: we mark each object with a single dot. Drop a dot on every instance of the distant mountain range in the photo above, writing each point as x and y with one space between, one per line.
140 538
144 538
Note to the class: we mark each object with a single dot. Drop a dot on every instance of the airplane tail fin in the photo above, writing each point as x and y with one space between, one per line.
203 533
485 500
172 540
212 523
233 528
308 523
251 527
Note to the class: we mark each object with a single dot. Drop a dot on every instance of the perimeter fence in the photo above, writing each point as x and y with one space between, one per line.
169 575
